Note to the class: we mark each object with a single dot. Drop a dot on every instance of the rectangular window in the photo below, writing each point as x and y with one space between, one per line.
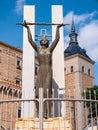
88 71
19 63
71 69
18 81
19 112
82 68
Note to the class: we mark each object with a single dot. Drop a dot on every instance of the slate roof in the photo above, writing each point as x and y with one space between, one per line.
74 48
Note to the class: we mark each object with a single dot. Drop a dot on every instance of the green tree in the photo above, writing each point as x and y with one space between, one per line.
91 93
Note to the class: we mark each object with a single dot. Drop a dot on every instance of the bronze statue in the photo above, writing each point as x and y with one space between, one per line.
44 54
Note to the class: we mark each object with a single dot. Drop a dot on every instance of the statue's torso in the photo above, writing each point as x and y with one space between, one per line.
44 79
44 57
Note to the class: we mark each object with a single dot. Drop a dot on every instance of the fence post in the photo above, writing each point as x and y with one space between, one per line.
40 108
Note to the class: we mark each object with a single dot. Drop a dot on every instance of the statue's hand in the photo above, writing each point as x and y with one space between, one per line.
60 25
25 24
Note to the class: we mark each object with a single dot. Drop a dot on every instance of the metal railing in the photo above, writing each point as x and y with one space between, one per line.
70 113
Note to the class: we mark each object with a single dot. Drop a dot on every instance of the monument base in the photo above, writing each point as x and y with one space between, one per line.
57 123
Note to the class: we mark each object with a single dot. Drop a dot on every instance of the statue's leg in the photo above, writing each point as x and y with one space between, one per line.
48 105
36 103
37 109
45 107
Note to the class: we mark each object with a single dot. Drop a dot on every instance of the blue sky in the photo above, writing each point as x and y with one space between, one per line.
85 17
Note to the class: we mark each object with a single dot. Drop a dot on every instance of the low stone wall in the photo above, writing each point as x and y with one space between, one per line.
58 123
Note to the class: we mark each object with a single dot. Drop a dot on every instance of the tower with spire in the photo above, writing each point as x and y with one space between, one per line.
73 34
79 75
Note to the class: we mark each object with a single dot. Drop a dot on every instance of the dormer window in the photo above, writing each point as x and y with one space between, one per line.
72 38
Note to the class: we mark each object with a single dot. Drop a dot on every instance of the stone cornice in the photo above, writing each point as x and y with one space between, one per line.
81 56
79 72
12 47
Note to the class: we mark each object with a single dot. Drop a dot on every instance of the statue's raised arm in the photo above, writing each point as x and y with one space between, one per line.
33 44
57 37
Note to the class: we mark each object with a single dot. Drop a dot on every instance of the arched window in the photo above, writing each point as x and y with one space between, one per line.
82 68
71 69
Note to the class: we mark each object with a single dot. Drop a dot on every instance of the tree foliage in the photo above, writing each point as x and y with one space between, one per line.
91 93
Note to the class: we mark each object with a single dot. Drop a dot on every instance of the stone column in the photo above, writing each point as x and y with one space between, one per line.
28 64
58 58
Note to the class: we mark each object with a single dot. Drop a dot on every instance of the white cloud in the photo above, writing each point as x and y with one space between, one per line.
19 6
88 38
78 18
66 40
87 28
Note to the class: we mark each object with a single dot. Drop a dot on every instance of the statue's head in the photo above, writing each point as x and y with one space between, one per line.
44 42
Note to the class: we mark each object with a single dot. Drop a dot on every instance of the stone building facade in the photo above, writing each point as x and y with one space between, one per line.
10 84
11 63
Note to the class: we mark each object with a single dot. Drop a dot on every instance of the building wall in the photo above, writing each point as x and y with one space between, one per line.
87 65
10 84
70 87
10 62
71 61
87 81
88 75
77 78
70 84
9 110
